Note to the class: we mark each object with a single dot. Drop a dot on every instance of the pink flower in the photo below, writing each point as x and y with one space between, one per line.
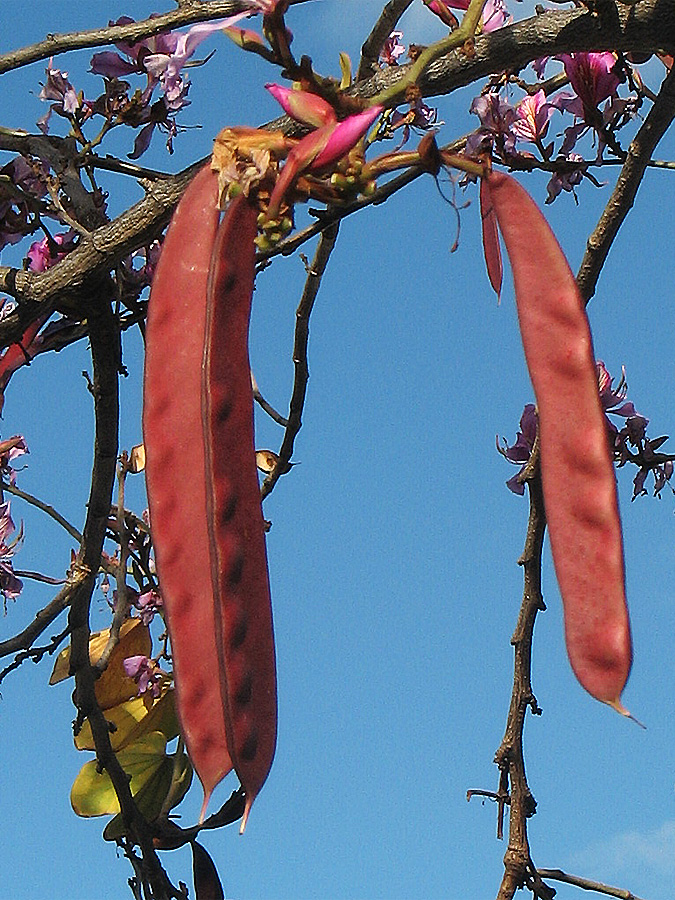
494 16
149 604
532 117
10 585
42 254
344 136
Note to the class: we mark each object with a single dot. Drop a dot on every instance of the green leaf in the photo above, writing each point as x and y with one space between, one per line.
150 799
93 794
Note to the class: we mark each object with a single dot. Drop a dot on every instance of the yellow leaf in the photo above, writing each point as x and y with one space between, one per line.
134 718
114 686
93 794
346 70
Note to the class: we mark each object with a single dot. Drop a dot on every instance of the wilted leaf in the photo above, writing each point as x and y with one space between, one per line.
93 794
150 799
205 874
137 458
134 718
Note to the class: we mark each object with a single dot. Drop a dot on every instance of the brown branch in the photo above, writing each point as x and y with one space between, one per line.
265 406
45 507
370 51
623 196
644 26
186 14
586 884
304 310
519 870
43 619
105 351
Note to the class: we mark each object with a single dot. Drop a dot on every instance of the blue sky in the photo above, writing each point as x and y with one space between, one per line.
394 544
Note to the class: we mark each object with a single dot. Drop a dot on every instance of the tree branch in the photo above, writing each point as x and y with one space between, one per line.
645 26
312 284
519 870
55 44
625 190
370 51
586 885
105 351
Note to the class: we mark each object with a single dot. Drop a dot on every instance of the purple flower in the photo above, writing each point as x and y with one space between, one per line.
149 604
58 88
628 444
611 398
10 585
10 450
145 673
496 118
519 453
15 214
565 181
495 15
392 49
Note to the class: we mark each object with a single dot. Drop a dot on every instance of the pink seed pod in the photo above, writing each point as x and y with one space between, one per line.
577 473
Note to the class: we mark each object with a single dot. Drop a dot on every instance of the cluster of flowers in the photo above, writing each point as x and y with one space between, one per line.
629 443
10 585
594 79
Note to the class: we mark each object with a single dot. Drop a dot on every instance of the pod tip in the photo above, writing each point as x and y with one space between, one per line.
202 812
244 818
621 709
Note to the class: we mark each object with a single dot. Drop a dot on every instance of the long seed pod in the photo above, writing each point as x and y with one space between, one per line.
175 467
577 473
236 526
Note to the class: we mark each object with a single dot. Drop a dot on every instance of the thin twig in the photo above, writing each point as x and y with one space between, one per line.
267 407
370 51
43 619
640 151
38 576
587 885
45 507
303 312
120 572
35 654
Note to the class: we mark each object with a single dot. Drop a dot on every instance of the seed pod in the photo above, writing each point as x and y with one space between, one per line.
236 528
576 467
175 472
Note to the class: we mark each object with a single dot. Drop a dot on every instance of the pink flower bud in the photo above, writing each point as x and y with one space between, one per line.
345 136
305 107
